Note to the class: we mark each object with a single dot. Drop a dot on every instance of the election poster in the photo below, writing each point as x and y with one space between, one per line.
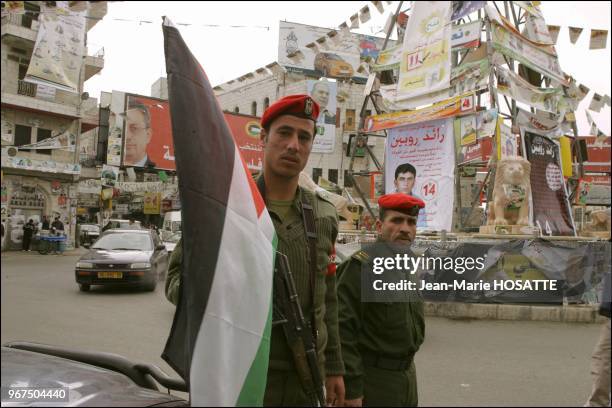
419 160
551 208
425 66
512 85
324 93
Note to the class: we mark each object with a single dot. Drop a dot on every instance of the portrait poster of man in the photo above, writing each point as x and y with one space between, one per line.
420 161
147 134
324 93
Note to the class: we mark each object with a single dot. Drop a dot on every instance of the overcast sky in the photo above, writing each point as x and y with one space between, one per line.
134 56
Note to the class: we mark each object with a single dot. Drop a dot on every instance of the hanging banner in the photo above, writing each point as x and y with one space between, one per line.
479 152
468 77
324 93
428 149
574 33
575 94
46 166
90 186
551 208
425 66
467 129
554 30
109 175
388 59
64 141
466 35
152 203
58 53
549 127
507 142
599 38
445 109
463 8
596 103
517 47
529 7
537 30
512 85
594 190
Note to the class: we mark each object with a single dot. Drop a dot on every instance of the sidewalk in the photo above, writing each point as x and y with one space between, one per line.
481 311
69 252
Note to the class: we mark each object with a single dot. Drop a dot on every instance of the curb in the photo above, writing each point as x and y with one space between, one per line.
478 311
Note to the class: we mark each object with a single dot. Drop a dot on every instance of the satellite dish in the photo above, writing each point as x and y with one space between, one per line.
12 151
85 96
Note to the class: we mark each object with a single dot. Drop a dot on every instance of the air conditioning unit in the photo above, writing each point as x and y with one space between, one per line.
12 151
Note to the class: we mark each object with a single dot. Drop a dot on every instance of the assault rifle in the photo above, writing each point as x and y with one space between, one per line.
288 312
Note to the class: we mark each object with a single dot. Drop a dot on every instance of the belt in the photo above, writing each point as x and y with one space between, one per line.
386 362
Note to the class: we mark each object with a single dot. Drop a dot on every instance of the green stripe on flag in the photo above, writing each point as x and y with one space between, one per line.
254 387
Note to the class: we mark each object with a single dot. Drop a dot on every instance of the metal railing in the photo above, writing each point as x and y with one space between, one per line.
26 88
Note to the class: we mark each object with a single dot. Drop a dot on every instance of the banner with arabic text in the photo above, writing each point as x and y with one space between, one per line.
452 107
512 85
425 66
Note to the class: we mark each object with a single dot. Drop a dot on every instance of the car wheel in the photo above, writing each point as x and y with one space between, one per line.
150 286
83 287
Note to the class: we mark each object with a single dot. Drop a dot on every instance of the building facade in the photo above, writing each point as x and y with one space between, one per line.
41 128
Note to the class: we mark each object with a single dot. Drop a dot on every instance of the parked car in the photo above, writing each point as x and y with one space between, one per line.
83 378
171 240
123 256
120 223
87 234
331 65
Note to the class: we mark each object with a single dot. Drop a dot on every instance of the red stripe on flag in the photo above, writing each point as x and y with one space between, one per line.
259 202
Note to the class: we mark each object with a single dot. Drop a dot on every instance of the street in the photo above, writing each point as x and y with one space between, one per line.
475 363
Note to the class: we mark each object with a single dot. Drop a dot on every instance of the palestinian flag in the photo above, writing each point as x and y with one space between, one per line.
220 337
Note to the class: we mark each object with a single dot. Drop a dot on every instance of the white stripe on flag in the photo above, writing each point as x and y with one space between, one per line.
239 301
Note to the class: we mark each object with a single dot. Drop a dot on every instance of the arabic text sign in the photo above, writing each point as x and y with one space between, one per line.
512 85
429 148
445 109
594 190
517 47
425 66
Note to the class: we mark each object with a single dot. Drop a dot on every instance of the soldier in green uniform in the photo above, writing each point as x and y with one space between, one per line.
379 339
288 129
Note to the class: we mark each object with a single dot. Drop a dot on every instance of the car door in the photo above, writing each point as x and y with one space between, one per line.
160 256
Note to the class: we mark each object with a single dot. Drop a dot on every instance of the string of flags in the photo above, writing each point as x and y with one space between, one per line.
599 38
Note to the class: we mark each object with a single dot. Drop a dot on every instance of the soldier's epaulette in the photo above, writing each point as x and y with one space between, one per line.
361 256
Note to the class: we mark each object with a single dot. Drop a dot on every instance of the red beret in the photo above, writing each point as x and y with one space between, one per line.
302 106
401 202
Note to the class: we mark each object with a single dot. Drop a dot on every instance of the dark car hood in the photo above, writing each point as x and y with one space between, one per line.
103 256
88 385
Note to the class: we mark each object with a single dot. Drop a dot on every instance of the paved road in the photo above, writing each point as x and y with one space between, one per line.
462 363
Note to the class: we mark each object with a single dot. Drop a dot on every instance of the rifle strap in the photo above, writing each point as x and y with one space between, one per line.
311 238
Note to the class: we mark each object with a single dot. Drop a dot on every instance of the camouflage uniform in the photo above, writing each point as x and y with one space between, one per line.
379 340
283 386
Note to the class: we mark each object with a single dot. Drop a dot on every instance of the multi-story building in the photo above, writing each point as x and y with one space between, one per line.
254 92
38 181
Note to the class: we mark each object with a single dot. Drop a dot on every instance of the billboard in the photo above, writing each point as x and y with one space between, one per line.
147 133
245 130
324 93
337 55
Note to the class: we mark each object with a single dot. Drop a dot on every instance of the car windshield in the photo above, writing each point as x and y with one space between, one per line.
124 241
333 57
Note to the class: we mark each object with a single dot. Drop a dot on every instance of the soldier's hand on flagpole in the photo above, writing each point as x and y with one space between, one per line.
334 390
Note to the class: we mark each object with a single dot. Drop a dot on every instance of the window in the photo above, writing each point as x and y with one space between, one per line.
347 180
266 103
23 69
349 121
42 134
236 110
23 135
254 108
316 173
332 175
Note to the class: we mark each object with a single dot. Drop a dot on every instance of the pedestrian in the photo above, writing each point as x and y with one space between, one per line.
379 338
45 222
288 130
58 225
28 232
600 361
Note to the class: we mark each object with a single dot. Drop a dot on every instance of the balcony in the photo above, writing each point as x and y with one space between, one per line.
90 114
24 95
94 63
19 30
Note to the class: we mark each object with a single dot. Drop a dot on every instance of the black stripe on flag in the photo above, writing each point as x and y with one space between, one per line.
204 151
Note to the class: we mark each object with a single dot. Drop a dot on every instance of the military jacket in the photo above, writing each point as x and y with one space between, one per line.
388 329
293 243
